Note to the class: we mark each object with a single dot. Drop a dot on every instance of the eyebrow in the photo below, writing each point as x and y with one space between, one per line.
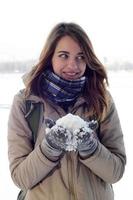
63 52
80 53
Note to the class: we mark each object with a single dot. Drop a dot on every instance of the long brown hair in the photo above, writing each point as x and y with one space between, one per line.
95 90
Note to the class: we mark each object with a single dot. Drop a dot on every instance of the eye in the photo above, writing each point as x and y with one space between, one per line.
80 58
63 55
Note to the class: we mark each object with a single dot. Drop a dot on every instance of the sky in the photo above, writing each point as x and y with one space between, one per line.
25 25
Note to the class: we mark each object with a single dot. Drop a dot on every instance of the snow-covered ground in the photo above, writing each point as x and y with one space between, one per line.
121 87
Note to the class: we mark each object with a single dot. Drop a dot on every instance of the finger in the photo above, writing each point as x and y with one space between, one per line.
93 124
49 122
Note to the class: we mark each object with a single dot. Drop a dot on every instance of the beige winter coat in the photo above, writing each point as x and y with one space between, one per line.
71 178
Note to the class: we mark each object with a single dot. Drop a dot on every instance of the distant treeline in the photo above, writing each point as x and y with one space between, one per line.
16 67
119 66
24 66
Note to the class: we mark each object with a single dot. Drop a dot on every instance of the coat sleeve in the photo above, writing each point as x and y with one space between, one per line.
28 166
108 161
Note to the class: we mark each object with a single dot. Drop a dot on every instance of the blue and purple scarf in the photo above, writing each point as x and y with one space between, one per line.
60 91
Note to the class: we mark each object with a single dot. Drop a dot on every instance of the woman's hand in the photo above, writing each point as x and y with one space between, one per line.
55 141
57 137
86 139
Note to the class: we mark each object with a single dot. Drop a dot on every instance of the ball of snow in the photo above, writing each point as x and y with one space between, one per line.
71 122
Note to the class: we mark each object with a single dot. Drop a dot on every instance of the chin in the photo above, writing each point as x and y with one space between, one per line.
71 78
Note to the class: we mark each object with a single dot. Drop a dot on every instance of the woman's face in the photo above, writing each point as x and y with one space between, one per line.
68 61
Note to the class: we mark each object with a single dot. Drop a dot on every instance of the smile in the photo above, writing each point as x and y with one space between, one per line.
71 73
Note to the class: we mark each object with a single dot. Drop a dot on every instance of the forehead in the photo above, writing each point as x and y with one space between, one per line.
67 43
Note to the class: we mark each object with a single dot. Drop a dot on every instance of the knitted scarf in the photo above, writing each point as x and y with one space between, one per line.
60 91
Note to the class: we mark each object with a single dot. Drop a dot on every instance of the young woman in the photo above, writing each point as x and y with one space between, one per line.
69 78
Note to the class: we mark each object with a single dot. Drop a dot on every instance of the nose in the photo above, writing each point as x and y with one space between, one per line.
72 64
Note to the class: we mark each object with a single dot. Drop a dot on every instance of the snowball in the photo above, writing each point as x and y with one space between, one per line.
71 122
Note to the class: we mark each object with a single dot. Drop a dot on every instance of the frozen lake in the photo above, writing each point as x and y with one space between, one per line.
121 87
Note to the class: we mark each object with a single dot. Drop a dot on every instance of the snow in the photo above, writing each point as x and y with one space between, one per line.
121 87
71 122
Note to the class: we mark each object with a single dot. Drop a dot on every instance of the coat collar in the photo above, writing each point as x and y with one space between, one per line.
36 99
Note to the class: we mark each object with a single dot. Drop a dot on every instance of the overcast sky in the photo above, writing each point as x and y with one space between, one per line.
24 25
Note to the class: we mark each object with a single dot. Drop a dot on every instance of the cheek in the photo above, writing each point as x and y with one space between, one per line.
83 69
56 66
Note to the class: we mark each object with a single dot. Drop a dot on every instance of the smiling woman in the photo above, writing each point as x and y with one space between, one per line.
52 160
68 59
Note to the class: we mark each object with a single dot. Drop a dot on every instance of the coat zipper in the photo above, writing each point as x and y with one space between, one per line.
71 177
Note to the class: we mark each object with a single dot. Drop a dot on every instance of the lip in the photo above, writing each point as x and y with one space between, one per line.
71 75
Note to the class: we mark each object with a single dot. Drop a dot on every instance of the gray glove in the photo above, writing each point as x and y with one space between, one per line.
86 140
57 137
55 141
